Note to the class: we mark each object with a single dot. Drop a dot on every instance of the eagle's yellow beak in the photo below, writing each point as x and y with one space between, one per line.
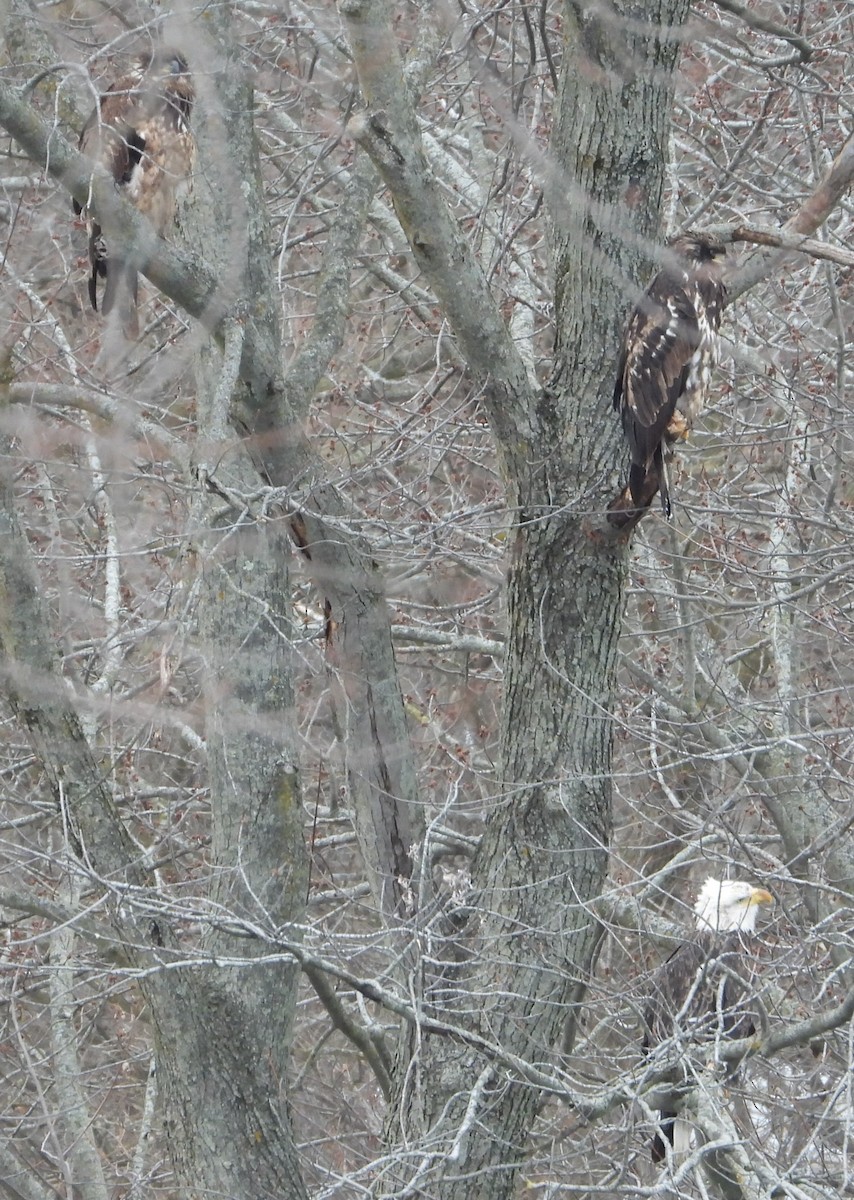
759 896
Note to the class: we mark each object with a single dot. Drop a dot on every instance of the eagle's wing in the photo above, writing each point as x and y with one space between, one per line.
662 337
670 987
703 989
140 134
109 137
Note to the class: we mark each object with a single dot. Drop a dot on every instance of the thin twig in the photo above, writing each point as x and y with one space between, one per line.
752 18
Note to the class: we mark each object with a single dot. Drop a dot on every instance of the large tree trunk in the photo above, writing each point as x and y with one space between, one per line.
490 989
541 864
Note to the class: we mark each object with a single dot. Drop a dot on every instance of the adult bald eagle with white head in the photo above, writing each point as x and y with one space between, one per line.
704 989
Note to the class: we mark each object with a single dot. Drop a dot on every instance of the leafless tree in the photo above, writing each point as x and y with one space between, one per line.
356 773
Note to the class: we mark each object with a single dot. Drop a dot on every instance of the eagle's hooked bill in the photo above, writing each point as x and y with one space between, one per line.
669 349
704 989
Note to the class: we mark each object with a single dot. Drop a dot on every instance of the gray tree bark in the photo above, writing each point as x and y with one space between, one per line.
543 858
222 1023
511 968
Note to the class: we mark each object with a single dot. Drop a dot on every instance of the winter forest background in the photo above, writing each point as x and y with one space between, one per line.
355 777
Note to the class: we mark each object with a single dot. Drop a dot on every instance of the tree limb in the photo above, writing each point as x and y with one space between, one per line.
60 914
764 235
341 566
43 703
17 1180
105 406
389 133
765 25
728 1167
333 292
351 1029
554 1081
810 216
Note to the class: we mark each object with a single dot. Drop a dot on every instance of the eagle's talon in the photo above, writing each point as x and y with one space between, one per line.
678 429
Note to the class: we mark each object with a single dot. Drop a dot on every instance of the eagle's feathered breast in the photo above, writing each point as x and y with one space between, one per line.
704 991
140 133
701 991
669 350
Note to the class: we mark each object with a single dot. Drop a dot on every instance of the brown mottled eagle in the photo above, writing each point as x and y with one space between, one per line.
668 353
140 133
703 991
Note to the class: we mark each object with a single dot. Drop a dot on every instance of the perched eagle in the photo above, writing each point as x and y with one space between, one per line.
703 990
140 133
666 361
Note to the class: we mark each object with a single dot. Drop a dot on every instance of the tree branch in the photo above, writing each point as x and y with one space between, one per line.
764 235
42 702
390 134
730 1172
75 1116
591 1106
104 405
765 25
351 1029
333 292
341 566
61 914
810 216
17 1180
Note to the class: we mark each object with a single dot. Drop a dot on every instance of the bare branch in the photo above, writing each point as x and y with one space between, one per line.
18 1182
765 25
726 1163
764 235
389 132
810 216
76 1118
357 1034
333 293
43 704
555 1082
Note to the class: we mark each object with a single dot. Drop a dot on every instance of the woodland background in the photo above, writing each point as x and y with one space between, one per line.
354 776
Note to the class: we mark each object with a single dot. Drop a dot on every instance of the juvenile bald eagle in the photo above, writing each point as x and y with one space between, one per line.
140 133
704 989
669 349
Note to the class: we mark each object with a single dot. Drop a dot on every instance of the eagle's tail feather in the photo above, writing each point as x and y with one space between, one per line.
664 484
626 510
120 286
644 482
97 260
673 1131
664 1134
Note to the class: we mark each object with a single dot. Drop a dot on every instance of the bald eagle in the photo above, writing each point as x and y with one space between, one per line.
703 990
140 133
669 349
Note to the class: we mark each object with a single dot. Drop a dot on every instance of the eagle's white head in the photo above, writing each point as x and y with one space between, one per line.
729 904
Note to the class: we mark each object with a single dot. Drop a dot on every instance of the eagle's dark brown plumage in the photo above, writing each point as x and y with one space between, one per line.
140 133
666 361
703 991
